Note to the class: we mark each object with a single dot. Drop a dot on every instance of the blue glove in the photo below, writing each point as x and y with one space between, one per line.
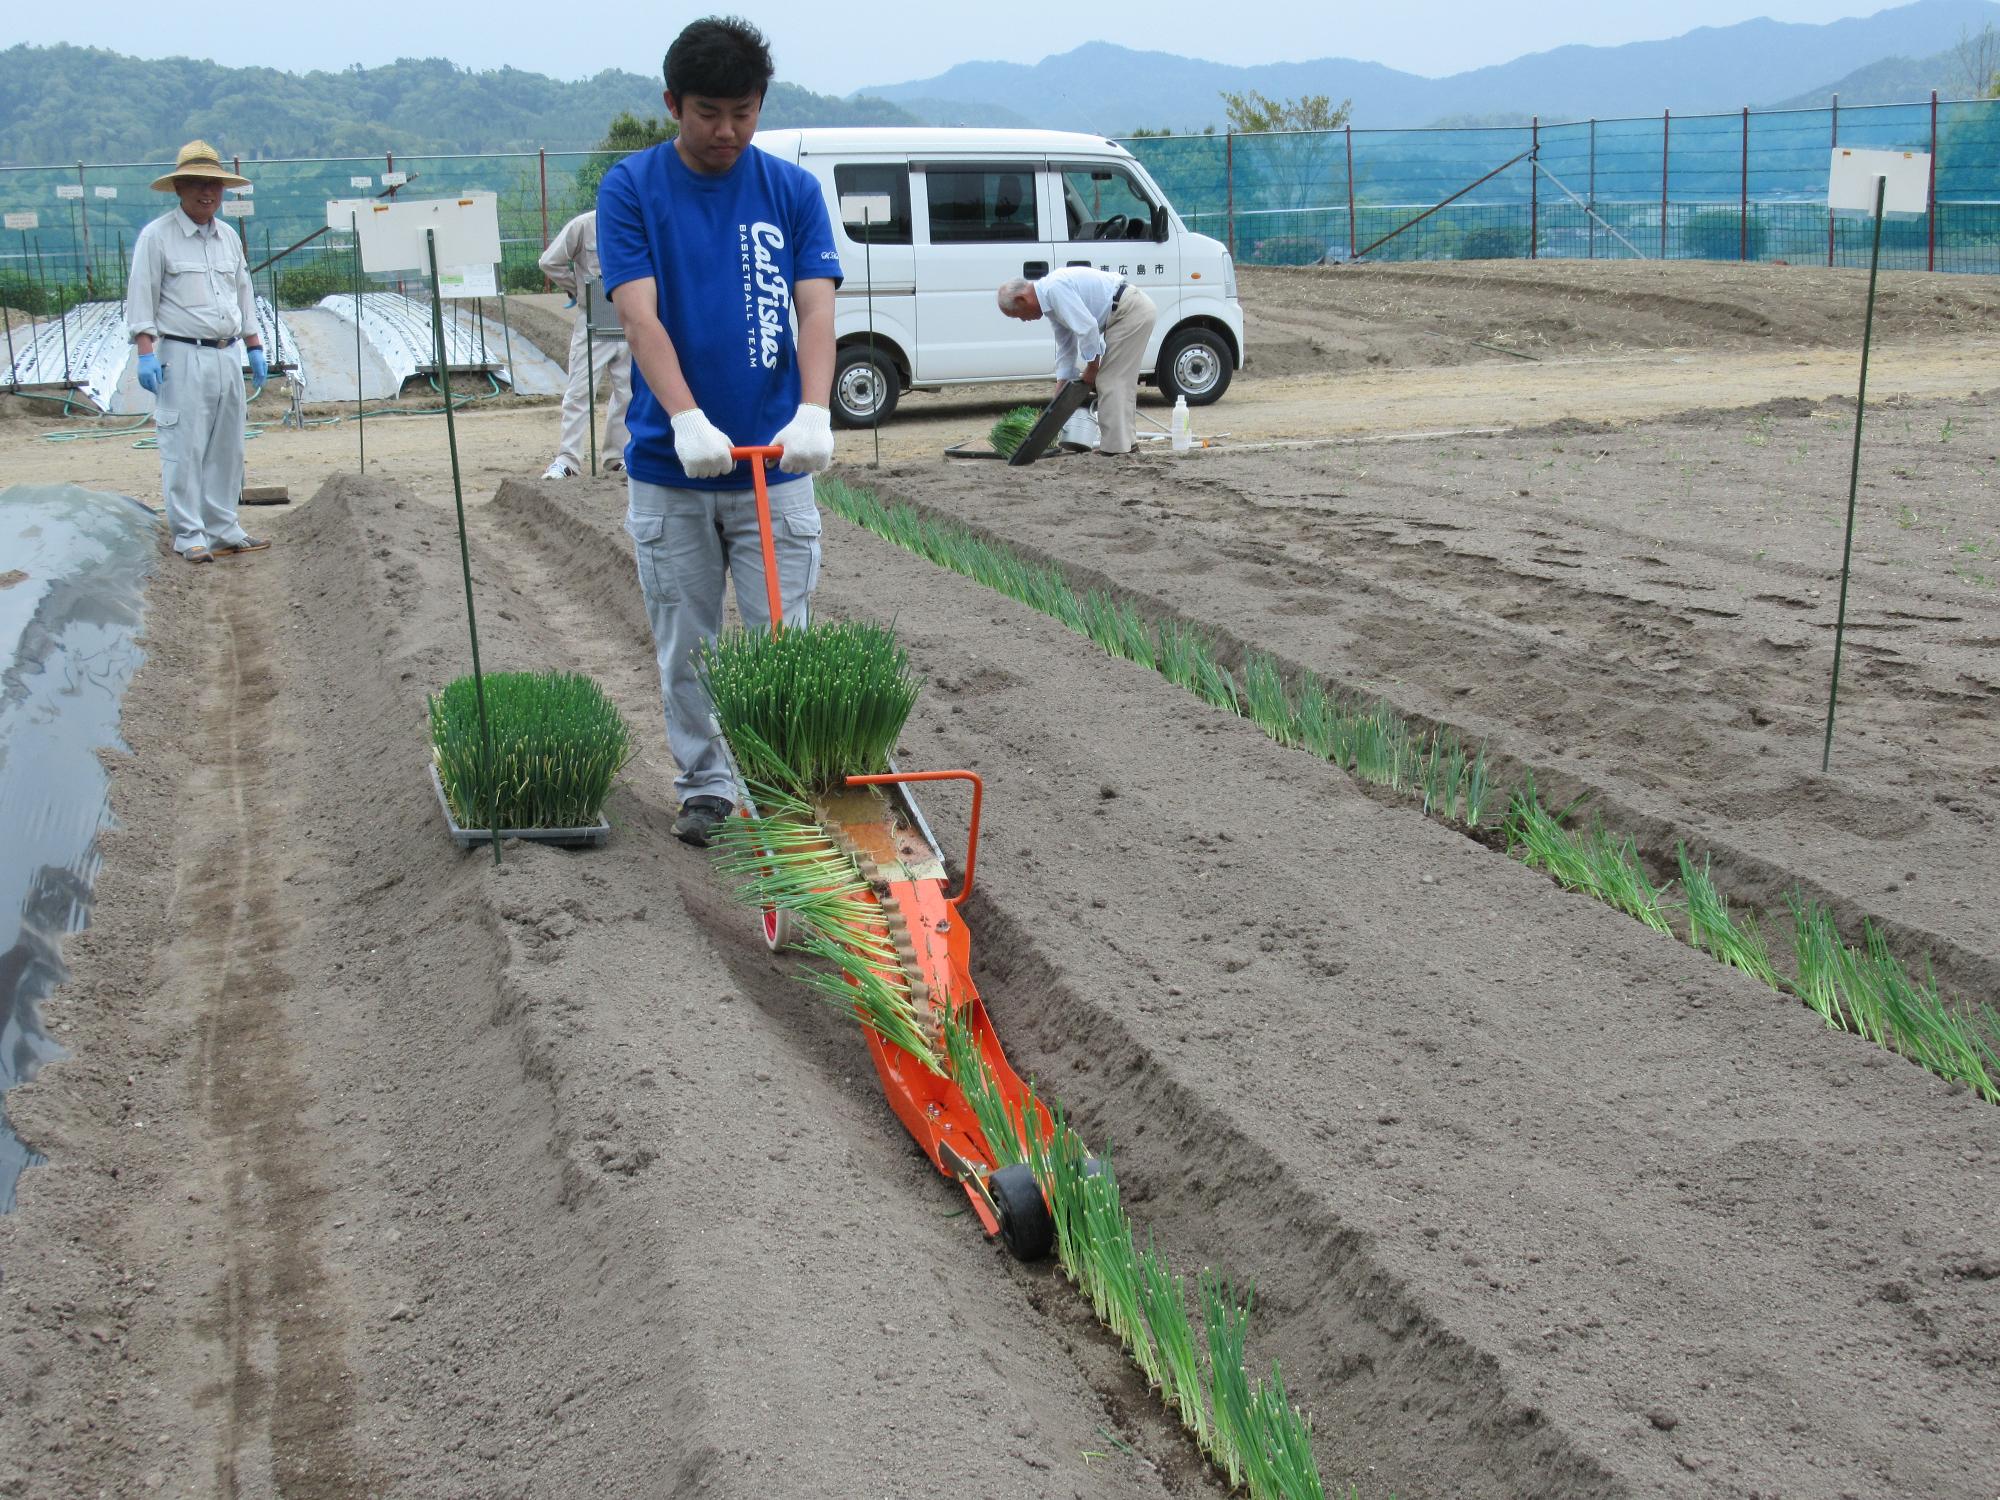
260 370
572 300
150 374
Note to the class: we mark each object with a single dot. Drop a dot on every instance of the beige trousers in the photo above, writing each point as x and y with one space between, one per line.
1126 333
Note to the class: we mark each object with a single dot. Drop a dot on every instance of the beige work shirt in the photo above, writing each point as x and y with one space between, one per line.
573 251
189 279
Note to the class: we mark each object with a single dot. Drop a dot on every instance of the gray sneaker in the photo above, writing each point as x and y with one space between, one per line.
700 816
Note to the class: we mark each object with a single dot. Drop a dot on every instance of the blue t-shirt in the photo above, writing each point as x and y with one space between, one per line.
724 253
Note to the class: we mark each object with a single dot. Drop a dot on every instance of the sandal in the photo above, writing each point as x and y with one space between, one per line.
198 555
248 544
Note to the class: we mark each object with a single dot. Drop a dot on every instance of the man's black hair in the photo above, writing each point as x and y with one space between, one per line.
719 57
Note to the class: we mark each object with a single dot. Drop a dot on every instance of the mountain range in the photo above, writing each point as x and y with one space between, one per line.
1114 90
63 104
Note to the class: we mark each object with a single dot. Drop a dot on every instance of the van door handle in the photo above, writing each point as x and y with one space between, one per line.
1076 263
1034 270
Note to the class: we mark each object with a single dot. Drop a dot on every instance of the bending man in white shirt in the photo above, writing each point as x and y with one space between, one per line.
1102 324
570 260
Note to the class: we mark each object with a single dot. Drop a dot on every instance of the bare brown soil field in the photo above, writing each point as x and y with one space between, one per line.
382 1170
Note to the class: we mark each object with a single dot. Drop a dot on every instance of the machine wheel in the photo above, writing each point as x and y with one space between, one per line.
865 386
1025 1226
778 928
1195 363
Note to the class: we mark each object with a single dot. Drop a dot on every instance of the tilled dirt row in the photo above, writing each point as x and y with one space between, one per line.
1535 1205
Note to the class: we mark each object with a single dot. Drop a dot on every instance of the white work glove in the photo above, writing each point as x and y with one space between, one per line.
701 446
807 440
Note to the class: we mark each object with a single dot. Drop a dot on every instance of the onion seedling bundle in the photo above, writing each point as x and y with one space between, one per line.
786 862
1012 430
804 709
1712 926
557 744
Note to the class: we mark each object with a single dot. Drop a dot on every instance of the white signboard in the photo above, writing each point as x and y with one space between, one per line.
467 281
242 192
28 220
361 182
105 192
238 208
1907 175
393 231
394 179
69 190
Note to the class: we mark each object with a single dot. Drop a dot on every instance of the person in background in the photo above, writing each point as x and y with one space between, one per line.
1101 324
569 261
712 251
188 303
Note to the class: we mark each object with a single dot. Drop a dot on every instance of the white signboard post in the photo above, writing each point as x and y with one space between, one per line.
238 208
24 221
361 182
1878 183
392 231
105 192
69 190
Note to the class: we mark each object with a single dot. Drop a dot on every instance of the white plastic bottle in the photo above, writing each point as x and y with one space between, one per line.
1182 427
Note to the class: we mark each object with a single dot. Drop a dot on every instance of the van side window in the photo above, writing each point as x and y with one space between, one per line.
1105 203
982 204
874 201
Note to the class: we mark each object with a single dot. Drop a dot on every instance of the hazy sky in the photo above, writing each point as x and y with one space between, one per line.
836 48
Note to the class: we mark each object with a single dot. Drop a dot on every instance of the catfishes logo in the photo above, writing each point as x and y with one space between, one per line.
767 297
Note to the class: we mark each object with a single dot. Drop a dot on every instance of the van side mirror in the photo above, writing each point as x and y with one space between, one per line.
1160 223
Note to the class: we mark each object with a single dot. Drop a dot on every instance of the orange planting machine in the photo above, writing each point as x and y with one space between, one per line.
877 821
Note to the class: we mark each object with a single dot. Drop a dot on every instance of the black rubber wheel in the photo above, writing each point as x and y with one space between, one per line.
865 386
1195 363
1025 1226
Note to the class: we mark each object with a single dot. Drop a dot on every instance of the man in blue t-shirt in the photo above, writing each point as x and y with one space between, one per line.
709 248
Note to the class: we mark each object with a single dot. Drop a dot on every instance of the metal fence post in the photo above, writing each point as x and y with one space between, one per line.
1229 185
89 262
1930 207
1351 239
542 158
1829 212
1666 138
1534 184
1593 188
1743 212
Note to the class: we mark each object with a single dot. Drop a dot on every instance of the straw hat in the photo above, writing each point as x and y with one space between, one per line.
198 159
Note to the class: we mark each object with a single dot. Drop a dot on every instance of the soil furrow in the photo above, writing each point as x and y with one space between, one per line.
1329 1062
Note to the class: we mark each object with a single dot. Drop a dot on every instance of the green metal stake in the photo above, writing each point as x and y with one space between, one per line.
360 416
1854 475
507 334
590 374
464 549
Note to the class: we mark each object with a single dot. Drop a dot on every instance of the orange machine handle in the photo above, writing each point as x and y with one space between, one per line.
757 456
971 838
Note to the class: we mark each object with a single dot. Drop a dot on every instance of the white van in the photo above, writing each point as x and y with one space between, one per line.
930 222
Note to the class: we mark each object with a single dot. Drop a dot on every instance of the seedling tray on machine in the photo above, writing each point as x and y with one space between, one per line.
563 838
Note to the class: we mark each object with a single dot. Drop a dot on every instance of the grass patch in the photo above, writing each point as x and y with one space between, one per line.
558 743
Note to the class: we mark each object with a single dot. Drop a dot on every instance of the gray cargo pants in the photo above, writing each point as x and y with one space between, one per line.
687 542
198 423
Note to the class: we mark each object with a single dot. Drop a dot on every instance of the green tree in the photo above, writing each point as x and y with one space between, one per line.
1253 113
626 134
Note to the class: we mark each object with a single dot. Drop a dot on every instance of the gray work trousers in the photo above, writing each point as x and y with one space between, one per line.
1126 332
611 361
198 417
688 543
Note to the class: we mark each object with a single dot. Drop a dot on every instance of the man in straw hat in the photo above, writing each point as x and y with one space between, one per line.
188 304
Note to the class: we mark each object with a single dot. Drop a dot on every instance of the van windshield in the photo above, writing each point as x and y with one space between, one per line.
1105 202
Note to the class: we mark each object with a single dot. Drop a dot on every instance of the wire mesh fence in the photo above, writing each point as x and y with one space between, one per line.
1747 186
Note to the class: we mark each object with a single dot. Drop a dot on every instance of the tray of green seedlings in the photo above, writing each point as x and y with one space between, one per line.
557 745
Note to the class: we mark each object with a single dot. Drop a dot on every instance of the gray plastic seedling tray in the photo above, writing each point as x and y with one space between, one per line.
566 838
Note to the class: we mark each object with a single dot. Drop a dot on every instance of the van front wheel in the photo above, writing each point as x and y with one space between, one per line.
1195 363
865 386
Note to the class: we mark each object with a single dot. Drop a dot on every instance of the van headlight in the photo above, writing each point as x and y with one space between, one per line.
1229 276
